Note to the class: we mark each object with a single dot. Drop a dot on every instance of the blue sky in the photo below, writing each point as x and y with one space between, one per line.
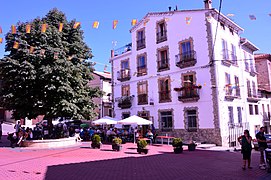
105 11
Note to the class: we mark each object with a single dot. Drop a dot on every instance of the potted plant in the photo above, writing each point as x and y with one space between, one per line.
141 147
177 145
116 145
96 142
192 146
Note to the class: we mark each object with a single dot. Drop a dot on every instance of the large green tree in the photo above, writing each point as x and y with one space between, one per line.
53 79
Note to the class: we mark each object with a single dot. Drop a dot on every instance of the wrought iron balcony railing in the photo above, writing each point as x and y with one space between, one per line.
164 96
124 75
141 70
163 64
125 102
123 49
186 59
161 36
188 93
140 44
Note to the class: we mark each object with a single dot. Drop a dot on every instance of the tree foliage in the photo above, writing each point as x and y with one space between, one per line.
54 83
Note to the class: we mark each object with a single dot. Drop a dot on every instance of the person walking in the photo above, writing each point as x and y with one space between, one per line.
262 146
1 122
245 141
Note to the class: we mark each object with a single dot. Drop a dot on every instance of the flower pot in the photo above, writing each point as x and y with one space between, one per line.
116 147
140 151
191 147
178 150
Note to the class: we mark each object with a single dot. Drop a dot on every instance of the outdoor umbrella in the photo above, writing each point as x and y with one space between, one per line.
106 120
134 120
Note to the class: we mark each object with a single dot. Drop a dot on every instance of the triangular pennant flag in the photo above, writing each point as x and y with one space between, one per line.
230 15
76 24
96 24
188 20
252 17
31 49
13 29
28 28
43 28
146 21
60 27
42 52
134 21
115 22
16 45
1 30
1 40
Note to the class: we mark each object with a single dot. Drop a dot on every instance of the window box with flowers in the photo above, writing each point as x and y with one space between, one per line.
125 102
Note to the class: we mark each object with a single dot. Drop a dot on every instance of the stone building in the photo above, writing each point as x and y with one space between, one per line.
189 80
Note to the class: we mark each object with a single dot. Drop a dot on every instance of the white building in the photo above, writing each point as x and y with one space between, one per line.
186 78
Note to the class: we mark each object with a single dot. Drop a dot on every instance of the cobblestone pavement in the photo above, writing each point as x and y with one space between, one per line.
82 162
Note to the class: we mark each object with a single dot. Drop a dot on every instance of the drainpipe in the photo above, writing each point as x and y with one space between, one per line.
112 84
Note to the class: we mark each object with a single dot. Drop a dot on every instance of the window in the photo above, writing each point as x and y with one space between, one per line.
228 86
233 54
142 93
140 43
186 50
124 73
250 109
239 111
163 62
225 52
268 111
164 90
254 89
125 90
246 61
192 120
256 110
125 115
141 65
237 86
161 32
231 119
252 68
166 120
144 114
187 56
249 93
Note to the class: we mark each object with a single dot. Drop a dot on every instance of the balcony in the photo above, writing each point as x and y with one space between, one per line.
164 96
123 75
142 99
186 59
140 44
125 102
188 93
123 49
234 59
141 70
161 36
229 93
252 72
163 65
225 58
252 97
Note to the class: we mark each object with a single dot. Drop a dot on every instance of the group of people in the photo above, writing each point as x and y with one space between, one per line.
246 148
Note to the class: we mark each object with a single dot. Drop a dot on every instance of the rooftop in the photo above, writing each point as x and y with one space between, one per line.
105 75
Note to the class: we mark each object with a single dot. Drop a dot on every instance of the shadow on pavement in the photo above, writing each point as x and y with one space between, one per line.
166 166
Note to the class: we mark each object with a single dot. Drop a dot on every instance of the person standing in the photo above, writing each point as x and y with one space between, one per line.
17 128
1 122
262 146
245 141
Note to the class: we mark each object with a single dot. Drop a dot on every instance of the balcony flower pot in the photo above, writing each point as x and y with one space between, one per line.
141 147
96 142
177 145
116 146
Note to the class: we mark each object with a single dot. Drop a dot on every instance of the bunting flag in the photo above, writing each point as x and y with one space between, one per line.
105 67
13 29
1 30
60 27
31 49
42 52
95 24
115 22
270 14
134 21
252 17
146 21
1 40
188 20
16 45
230 15
76 24
28 28
43 28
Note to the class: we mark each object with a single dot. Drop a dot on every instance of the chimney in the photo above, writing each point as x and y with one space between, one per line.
169 8
208 4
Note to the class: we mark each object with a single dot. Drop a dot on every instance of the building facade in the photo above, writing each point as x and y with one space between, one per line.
102 80
189 80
